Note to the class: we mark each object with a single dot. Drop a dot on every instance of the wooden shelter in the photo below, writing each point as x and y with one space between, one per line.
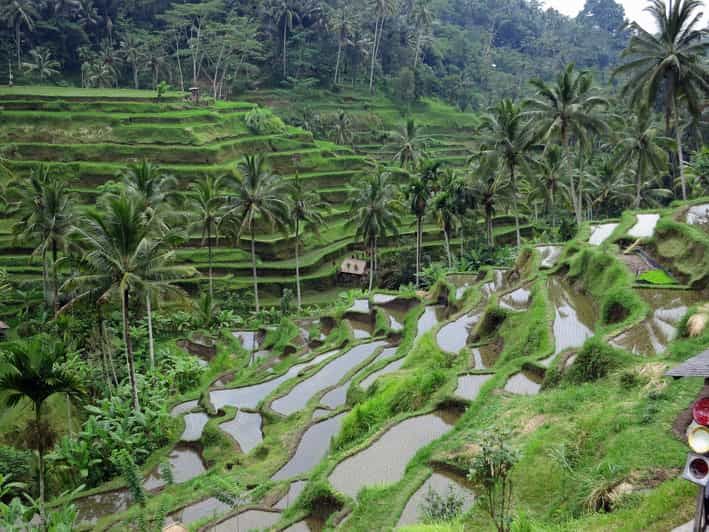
697 366
355 267
4 329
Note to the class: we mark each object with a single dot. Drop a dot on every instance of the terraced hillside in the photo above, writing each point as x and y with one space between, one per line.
346 419
89 136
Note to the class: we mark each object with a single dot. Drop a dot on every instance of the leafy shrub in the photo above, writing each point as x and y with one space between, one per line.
261 121
183 372
595 360
17 464
437 507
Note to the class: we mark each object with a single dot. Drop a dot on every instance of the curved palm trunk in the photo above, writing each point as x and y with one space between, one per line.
297 260
375 49
40 463
253 268
572 182
418 251
129 349
337 63
45 278
135 76
448 246
680 153
285 50
151 341
638 184
18 43
55 278
210 259
514 205
371 267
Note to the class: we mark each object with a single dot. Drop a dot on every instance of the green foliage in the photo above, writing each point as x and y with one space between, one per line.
595 360
490 472
16 464
658 277
437 508
262 121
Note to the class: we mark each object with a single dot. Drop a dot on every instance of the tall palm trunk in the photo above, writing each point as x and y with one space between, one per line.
210 259
418 251
638 184
375 46
135 76
55 278
680 153
488 222
297 260
448 246
253 267
371 267
285 49
514 204
45 278
125 299
151 341
337 63
572 182
40 463
18 44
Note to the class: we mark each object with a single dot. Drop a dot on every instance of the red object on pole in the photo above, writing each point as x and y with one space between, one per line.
700 411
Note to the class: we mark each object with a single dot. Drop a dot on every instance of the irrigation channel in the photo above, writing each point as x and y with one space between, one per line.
316 388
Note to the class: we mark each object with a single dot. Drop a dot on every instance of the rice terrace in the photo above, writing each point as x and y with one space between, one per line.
314 265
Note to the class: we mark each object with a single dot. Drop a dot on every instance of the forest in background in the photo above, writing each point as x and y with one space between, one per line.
462 51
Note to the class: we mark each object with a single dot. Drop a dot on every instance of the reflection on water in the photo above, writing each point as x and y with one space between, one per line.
454 336
517 300
431 317
385 460
469 386
210 507
645 226
442 483
389 368
667 308
549 256
194 425
360 306
600 233
698 215
575 315
183 407
185 464
312 448
245 428
92 508
247 339
248 520
524 383
294 491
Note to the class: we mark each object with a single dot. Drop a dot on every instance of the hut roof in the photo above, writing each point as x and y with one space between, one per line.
354 266
697 366
4 326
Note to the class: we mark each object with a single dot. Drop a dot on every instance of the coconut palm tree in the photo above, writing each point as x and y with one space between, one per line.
132 51
445 208
34 370
669 64
488 187
374 213
44 208
16 14
259 195
567 111
341 131
206 198
285 13
641 146
422 19
409 144
343 23
547 171
307 209
42 64
419 194
125 255
155 190
382 9
505 131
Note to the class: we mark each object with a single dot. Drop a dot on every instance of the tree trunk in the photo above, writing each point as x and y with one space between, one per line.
55 278
253 267
210 259
151 340
572 183
418 251
18 43
125 299
514 205
179 63
448 247
371 267
337 63
680 154
40 462
638 184
418 49
297 260
374 56
45 278
135 76
285 50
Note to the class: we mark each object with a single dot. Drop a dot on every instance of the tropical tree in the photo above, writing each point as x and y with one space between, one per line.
419 194
42 64
259 195
488 187
422 20
35 370
670 64
5 286
343 21
382 9
409 144
44 208
505 132
132 50
567 111
446 208
16 14
547 171
285 13
641 146
307 210
154 189
206 199
341 131
374 213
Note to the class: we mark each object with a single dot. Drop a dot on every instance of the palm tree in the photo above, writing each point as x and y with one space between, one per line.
5 286
671 64
132 54
419 195
446 208
45 212
409 144
35 371
154 189
206 198
259 196
123 257
566 111
306 209
641 145
382 9
42 63
547 176
422 19
488 187
505 132
16 14
285 13
374 213
343 25
342 129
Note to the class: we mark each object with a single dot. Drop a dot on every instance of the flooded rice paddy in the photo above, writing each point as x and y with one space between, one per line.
92 508
328 376
248 339
294 491
575 315
645 226
601 233
208 508
385 460
245 429
484 357
454 336
248 520
550 255
469 385
524 383
194 425
389 368
698 215
432 316
185 464
442 483
517 300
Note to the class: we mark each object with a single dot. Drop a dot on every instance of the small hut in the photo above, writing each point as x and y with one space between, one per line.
4 329
354 267
194 95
